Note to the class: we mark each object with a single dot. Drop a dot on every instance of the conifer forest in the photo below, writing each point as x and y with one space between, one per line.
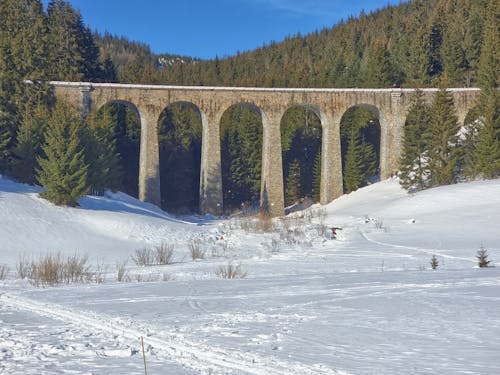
417 44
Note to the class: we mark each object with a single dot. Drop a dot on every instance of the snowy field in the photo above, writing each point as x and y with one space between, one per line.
366 302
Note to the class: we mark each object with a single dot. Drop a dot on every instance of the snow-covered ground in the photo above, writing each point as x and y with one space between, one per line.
366 302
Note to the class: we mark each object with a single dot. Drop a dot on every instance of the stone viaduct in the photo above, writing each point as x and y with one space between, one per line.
390 106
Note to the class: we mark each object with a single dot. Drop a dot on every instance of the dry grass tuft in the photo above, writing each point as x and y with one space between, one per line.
230 271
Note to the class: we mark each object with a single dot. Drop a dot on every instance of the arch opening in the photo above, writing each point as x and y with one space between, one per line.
360 146
117 136
301 134
180 137
241 133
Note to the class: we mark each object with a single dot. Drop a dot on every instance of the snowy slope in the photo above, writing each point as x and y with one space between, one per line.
364 303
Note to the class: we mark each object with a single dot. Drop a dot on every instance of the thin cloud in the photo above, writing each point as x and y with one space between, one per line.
328 8
300 7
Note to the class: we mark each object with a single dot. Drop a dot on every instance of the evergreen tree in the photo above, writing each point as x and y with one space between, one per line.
293 188
483 158
301 141
353 177
377 70
442 140
487 153
241 130
418 60
316 188
100 152
22 56
127 133
360 139
72 52
368 159
489 62
5 141
63 171
414 172
468 139
180 154
452 51
29 144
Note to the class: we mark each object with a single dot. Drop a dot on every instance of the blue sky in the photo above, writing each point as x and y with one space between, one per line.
206 28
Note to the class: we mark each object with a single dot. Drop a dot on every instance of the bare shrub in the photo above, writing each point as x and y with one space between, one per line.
220 249
143 257
52 269
75 269
273 246
197 252
230 271
48 270
145 278
100 274
260 223
24 267
264 223
122 272
379 223
164 253
4 270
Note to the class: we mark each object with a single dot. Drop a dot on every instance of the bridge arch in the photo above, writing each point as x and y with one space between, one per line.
362 127
301 137
180 133
125 118
241 136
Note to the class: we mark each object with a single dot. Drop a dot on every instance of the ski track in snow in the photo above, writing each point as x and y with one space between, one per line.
419 249
170 345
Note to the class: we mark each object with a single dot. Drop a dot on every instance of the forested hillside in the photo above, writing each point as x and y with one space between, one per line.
415 44
412 44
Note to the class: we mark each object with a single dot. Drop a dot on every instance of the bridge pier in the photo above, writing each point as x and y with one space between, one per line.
272 199
149 159
210 171
331 157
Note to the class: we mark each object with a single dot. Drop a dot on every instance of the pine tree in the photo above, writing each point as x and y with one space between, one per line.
5 142
368 160
100 152
486 155
353 177
413 173
29 144
180 153
434 262
293 188
489 61
63 171
452 51
482 257
442 140
72 53
377 69
418 60
22 56
316 188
